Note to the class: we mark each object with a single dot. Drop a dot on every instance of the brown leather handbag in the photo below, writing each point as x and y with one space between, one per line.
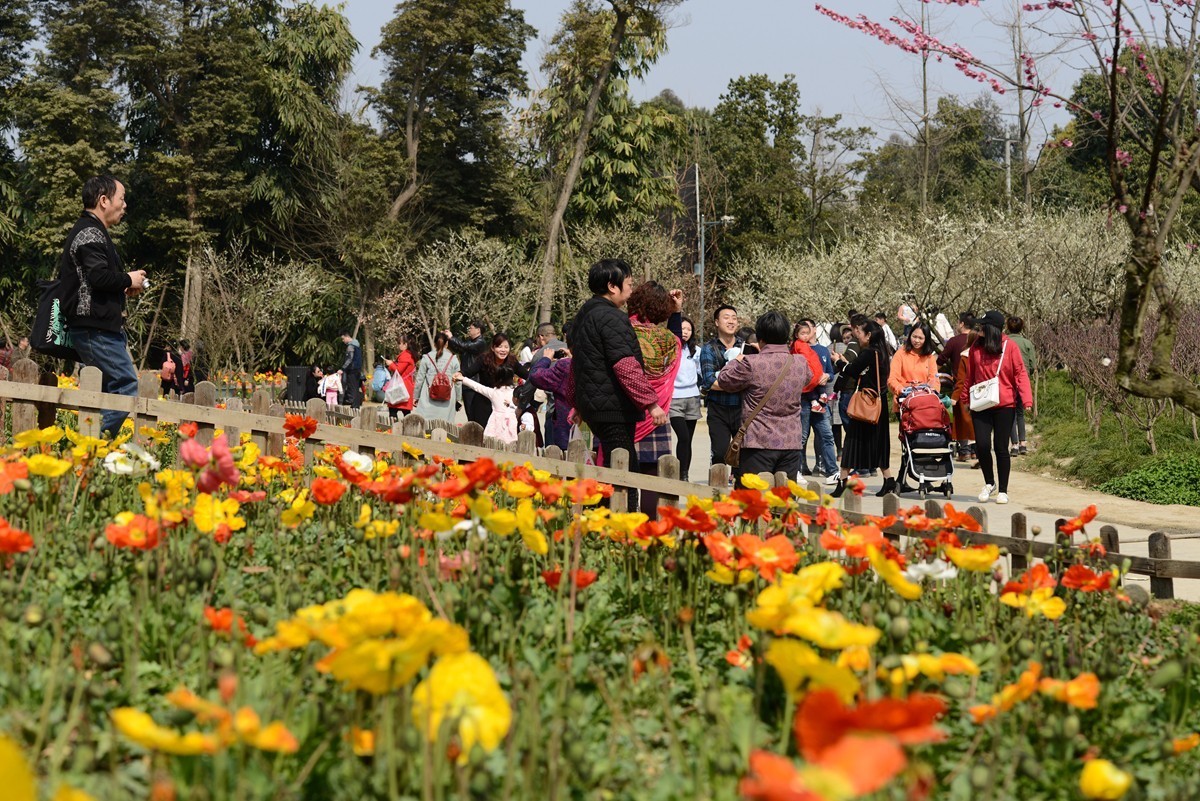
865 405
733 454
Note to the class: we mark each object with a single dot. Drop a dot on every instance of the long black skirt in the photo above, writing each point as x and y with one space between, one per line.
868 445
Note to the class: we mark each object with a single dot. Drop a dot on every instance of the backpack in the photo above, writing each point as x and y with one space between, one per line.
168 369
50 335
440 389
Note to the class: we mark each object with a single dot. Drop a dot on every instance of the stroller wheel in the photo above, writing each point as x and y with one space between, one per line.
948 489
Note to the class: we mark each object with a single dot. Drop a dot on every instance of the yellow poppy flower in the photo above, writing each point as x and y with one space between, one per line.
891 573
462 690
725 575
797 664
1041 601
48 466
979 560
139 727
1103 780
34 436
755 482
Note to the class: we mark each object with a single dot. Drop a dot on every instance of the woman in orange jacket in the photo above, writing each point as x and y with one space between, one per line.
914 363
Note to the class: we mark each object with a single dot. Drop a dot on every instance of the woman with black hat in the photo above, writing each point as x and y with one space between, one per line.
996 382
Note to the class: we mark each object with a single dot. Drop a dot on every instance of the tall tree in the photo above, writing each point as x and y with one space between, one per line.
756 138
450 69
626 20
833 156
16 32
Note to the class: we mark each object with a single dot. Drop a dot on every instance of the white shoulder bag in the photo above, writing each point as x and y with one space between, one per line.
986 394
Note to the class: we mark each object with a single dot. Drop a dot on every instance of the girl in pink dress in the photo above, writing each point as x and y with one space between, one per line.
502 424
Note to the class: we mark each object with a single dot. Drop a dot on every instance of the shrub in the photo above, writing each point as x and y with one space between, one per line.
1174 478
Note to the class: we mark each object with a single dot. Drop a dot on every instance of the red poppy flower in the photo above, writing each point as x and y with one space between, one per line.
583 578
828 517
651 530
189 430
823 720
774 778
1084 579
245 496
857 485
695 520
1077 523
854 541
327 491
223 620
299 426
13 540
1034 578
952 518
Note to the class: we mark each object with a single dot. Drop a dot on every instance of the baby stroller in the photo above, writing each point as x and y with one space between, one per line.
927 449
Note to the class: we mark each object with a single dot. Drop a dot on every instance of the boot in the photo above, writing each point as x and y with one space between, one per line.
839 489
889 485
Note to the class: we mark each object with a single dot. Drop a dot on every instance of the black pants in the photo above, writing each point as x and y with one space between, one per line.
992 430
615 436
769 460
1018 432
478 407
352 381
684 431
723 423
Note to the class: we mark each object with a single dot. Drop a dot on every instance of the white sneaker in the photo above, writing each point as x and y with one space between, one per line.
986 492
1002 498
831 480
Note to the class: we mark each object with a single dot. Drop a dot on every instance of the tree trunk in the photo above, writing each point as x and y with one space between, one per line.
554 224
193 282
368 348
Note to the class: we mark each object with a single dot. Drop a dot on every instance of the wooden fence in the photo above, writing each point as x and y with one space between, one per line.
32 399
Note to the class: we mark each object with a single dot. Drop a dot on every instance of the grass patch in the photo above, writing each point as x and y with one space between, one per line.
1117 461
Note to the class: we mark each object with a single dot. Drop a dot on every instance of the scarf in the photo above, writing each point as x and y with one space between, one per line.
660 348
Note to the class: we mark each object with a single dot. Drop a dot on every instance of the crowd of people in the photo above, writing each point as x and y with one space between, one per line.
634 374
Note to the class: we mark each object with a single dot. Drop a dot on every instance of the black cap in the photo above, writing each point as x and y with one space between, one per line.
993 317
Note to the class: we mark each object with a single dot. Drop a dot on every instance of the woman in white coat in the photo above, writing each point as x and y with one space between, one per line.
435 371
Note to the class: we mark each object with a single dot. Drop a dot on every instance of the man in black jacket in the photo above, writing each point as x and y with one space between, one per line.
470 350
352 371
611 390
95 286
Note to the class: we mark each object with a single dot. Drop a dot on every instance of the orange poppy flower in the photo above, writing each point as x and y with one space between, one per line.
223 620
10 472
857 485
739 657
299 426
1080 692
753 504
1084 579
719 546
868 763
189 430
1035 578
695 520
327 491
133 531
13 540
650 532
952 518
774 778
1077 523
855 542
828 517
768 556
823 720
882 522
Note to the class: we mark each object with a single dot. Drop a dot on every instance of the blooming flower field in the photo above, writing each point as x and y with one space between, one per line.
208 622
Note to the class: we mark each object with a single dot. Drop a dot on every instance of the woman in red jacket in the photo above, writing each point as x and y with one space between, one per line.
406 366
994 356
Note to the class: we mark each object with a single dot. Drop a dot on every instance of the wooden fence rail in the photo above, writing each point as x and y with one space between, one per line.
35 399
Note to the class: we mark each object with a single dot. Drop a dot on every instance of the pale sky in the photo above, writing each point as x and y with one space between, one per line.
837 69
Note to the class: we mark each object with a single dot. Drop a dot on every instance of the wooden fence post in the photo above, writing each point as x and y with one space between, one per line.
718 476
1110 539
275 439
90 380
618 460
47 412
576 451
149 385
24 413
317 409
233 434
472 434
1161 587
891 504
851 502
1019 560
781 479
980 516
668 467
527 443
933 509
206 396
553 452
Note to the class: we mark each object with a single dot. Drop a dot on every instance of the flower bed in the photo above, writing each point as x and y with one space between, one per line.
191 621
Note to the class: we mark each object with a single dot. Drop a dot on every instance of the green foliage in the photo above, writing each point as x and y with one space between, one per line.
1172 478
1113 461
756 139
626 173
